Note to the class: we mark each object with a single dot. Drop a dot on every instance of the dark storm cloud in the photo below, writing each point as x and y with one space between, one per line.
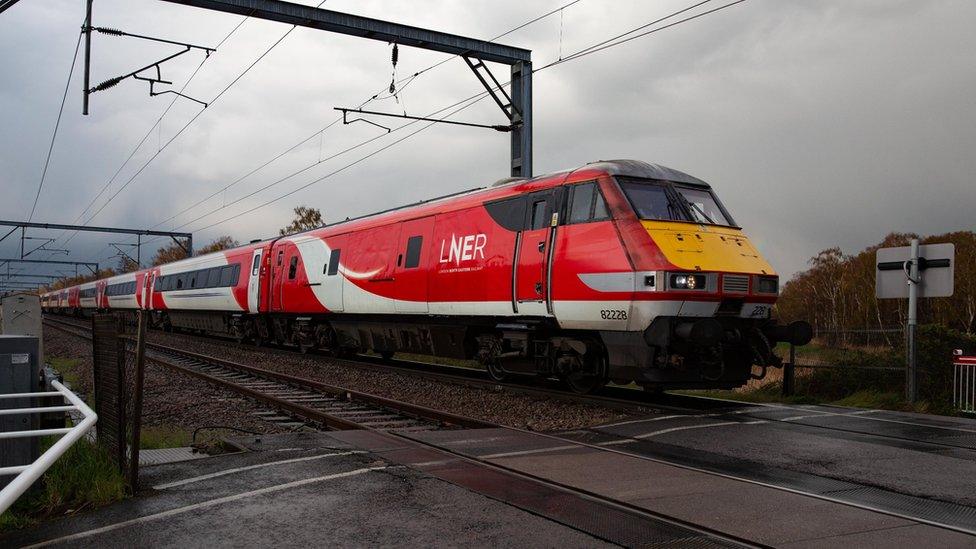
819 123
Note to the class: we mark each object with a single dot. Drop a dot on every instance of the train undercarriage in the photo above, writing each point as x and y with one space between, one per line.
672 353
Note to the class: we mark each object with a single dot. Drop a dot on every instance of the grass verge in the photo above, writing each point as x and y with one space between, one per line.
83 478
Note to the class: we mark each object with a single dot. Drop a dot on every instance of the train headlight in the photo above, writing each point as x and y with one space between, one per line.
687 282
767 285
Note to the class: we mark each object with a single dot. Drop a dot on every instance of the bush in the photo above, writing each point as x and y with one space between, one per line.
934 358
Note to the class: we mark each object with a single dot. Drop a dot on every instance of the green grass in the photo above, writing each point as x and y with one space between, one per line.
68 368
83 478
163 436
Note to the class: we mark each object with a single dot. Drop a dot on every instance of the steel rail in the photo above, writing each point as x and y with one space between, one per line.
632 454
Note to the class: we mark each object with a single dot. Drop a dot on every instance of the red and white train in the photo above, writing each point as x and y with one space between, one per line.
617 271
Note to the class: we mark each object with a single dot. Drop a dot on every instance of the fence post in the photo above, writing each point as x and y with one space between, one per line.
789 373
137 401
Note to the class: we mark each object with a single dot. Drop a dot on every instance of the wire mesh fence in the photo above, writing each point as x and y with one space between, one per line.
118 390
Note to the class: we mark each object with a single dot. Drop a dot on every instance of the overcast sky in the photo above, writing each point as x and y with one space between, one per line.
819 123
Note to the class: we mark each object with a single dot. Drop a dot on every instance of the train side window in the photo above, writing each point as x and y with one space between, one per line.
280 254
180 282
334 262
599 207
582 203
414 243
539 218
293 267
226 276
213 277
256 265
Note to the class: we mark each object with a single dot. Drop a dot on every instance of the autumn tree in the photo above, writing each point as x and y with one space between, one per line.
127 264
168 254
306 219
222 243
836 294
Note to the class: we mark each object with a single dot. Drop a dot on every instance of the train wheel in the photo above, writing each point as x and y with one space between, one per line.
496 372
586 378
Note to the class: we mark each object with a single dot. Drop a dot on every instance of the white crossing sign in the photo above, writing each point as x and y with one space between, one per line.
912 272
936 265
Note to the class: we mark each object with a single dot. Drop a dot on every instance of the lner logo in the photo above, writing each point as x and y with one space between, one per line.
463 248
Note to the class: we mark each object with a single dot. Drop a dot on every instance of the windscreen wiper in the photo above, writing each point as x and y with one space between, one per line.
692 206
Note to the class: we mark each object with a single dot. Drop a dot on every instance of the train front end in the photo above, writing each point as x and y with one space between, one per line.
703 316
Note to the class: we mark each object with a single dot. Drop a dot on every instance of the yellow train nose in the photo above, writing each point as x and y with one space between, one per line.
707 248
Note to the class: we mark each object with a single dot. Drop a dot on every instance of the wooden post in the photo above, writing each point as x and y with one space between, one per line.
789 373
137 401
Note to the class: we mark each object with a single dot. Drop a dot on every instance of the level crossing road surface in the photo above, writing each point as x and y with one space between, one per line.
775 475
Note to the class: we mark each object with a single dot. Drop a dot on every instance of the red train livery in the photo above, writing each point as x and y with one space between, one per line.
618 271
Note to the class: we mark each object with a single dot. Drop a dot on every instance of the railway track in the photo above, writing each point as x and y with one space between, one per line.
303 399
321 405
616 398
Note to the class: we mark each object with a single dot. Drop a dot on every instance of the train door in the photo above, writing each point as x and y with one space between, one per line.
147 281
531 265
412 265
254 282
278 278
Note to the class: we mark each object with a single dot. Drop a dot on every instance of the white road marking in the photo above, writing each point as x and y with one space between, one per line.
201 505
673 429
248 468
529 452
645 420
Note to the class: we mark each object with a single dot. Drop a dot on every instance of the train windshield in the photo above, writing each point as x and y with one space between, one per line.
667 201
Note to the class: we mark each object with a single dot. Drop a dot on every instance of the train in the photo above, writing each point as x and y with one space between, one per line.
613 272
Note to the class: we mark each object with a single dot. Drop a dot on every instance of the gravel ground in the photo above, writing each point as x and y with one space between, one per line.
169 399
497 406
177 400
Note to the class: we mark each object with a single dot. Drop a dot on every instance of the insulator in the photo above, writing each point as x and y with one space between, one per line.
105 30
392 86
396 54
107 84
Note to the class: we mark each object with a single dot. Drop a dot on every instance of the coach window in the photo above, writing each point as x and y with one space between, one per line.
256 265
539 220
226 276
180 282
414 244
334 262
213 278
280 254
292 267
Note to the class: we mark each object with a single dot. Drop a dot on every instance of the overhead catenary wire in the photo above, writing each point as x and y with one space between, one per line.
604 45
406 81
193 119
157 124
57 125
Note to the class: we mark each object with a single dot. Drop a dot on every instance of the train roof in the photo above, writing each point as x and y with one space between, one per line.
645 170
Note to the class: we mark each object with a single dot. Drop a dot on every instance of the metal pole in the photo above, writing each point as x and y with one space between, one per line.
910 373
789 373
88 27
137 401
139 251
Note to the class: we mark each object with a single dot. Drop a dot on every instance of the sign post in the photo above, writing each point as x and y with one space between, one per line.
928 270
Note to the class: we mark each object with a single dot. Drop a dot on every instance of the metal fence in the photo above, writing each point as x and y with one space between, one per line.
867 337
117 369
964 382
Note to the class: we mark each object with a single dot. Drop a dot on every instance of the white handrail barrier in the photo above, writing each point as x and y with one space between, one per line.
964 382
28 474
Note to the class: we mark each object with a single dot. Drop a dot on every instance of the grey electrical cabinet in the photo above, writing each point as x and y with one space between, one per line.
19 373
20 314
